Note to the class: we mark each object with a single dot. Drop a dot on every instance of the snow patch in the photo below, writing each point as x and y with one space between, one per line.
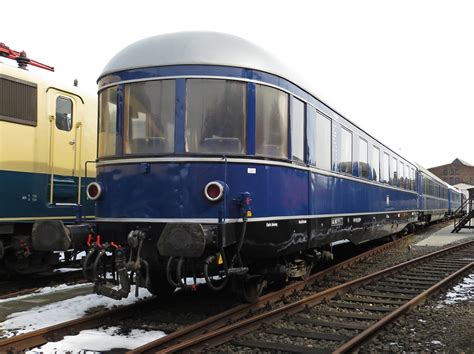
100 339
45 290
463 291
51 314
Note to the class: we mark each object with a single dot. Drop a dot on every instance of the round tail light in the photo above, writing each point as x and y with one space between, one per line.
94 191
214 191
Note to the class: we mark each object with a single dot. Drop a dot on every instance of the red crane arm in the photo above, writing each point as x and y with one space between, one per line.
21 58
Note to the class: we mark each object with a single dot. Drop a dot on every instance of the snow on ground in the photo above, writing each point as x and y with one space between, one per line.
57 312
46 290
101 339
464 291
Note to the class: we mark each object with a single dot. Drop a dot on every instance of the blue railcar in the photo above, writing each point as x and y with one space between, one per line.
215 160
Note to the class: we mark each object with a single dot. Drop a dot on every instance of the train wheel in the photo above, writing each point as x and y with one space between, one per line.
249 289
160 286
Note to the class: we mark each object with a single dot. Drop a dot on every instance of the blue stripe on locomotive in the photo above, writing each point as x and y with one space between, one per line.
28 196
176 190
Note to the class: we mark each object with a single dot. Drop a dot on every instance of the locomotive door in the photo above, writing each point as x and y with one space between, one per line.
64 113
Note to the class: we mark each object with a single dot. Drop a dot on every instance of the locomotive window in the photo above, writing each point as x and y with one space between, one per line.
413 179
149 117
346 151
363 159
215 116
375 164
271 135
64 113
393 172
386 169
108 122
297 130
323 142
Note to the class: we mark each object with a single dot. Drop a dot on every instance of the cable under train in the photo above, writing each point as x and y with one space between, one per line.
215 162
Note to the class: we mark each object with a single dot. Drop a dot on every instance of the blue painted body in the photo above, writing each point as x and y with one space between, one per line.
28 196
175 190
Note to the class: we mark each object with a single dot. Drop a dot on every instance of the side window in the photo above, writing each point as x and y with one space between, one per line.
346 151
413 179
401 171
271 133
375 164
386 168
363 159
64 113
297 130
393 172
323 142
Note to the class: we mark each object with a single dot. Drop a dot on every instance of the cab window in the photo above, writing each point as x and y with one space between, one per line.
215 116
64 113
149 116
107 122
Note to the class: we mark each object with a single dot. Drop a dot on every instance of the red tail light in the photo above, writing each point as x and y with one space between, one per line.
214 191
94 191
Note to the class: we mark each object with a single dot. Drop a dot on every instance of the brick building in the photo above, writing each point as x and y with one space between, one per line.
456 172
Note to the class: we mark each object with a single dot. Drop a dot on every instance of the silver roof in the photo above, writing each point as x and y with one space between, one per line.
205 48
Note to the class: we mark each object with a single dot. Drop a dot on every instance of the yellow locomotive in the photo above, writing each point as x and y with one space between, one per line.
47 134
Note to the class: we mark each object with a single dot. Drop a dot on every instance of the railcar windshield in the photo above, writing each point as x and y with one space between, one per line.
149 117
108 122
215 116
271 136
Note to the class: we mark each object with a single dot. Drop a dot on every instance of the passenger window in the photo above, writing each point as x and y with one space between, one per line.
323 142
386 169
393 172
108 122
363 159
216 116
375 164
271 135
297 130
346 152
149 117
401 171
64 113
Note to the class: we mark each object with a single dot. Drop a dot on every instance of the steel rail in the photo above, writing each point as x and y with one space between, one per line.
224 334
38 282
377 326
244 310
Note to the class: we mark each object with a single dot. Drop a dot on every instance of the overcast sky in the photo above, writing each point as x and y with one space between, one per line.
401 70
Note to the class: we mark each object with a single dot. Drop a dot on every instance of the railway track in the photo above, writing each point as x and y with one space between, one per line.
232 316
17 287
56 332
243 311
338 319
